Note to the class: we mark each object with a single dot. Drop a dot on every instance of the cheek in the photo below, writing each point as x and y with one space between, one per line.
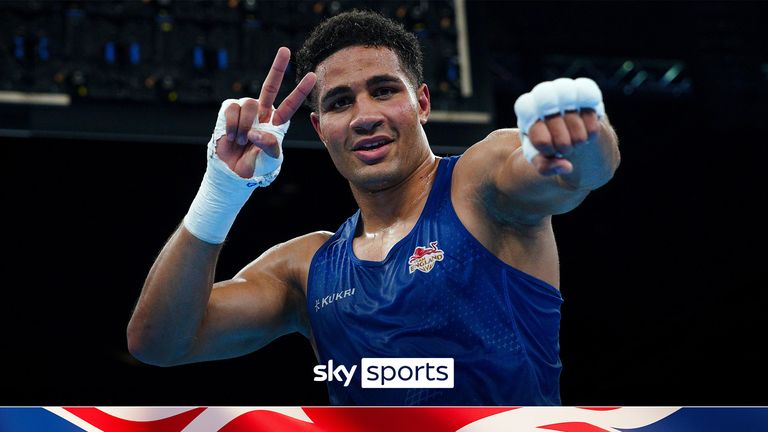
334 135
406 114
332 126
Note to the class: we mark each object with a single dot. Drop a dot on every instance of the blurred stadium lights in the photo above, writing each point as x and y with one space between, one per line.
626 76
164 57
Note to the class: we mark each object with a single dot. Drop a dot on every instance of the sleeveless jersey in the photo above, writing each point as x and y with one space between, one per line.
438 294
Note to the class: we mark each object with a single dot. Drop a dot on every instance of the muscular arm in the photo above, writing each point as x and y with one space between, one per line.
183 317
514 190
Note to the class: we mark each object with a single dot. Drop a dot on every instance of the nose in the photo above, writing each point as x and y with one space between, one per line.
367 118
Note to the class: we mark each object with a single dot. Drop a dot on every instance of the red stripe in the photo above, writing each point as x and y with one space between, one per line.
110 423
268 421
325 419
573 427
599 408
386 419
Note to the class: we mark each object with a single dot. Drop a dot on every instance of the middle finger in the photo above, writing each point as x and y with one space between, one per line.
272 83
561 139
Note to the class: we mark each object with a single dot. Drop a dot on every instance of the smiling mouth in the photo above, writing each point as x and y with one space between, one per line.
373 146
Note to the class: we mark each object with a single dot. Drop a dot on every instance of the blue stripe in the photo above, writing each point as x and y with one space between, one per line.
33 420
711 420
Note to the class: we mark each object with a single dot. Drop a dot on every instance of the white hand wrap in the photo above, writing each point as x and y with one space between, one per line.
267 168
223 193
555 97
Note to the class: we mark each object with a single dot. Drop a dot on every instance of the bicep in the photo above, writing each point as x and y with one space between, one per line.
247 312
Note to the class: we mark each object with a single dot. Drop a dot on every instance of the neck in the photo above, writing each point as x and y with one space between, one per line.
399 204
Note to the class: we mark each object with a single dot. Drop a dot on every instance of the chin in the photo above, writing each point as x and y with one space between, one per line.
376 177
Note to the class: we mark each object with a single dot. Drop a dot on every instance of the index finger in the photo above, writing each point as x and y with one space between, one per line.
272 83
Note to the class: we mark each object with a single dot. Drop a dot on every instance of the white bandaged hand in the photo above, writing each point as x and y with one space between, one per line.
266 168
555 98
222 192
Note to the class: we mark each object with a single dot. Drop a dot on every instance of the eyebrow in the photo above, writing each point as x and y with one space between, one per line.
370 82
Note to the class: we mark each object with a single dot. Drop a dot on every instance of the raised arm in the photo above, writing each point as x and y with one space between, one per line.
569 153
180 316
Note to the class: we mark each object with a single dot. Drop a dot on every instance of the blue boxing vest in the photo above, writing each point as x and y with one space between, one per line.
438 293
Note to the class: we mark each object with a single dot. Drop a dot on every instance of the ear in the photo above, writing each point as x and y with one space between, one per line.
425 106
315 119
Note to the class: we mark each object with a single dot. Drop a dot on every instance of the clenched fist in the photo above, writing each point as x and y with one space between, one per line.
555 119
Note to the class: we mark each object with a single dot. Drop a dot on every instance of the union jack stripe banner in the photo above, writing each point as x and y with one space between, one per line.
380 419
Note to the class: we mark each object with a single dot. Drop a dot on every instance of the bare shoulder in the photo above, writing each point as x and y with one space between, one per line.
505 133
288 261
499 143
474 172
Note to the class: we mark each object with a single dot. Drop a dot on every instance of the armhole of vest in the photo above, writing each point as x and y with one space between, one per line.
442 189
311 272
538 283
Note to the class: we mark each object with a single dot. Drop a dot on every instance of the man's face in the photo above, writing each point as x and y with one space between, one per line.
369 116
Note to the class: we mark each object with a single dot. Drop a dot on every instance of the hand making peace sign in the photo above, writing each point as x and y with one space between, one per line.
242 143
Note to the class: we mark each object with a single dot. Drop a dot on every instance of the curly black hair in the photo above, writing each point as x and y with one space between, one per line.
364 28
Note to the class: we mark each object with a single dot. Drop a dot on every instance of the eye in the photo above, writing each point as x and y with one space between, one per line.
338 103
384 92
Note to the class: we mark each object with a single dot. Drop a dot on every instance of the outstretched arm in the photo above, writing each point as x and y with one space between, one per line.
570 153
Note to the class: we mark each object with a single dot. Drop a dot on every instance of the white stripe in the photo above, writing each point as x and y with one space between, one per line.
215 418
77 421
144 413
529 419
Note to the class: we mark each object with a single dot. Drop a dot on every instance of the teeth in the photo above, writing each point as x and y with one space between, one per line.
372 145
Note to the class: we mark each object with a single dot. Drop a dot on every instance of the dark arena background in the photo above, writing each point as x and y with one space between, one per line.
106 107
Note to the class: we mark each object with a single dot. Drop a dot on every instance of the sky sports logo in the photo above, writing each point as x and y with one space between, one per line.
392 373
